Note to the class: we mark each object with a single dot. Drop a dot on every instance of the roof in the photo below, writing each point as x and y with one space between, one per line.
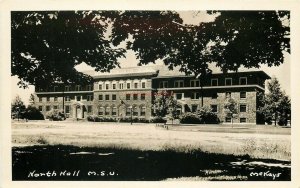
161 71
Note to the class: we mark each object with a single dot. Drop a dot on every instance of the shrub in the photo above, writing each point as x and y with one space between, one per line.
55 115
32 113
101 119
158 120
190 118
206 116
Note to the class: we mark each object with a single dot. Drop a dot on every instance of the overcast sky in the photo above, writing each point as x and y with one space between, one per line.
282 72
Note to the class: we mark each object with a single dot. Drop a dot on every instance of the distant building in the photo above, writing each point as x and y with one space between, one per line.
129 91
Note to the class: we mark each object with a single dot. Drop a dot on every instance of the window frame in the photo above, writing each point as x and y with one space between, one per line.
214 79
226 81
240 80
243 105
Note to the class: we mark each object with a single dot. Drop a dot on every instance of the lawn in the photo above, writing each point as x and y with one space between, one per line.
259 142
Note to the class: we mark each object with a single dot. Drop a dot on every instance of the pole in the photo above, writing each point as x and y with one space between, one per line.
131 116
63 93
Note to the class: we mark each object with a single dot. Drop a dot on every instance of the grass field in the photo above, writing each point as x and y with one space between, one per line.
260 142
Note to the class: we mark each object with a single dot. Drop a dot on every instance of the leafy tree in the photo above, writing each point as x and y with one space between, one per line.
18 107
32 99
230 108
47 45
32 113
164 103
276 104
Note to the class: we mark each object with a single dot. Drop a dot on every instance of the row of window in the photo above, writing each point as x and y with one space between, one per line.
113 97
48 108
67 98
196 95
134 111
69 88
242 120
127 85
196 83
214 108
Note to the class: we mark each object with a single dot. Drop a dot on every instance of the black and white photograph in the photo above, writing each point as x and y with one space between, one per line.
162 95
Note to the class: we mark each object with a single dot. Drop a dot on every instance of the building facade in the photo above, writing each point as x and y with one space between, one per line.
130 92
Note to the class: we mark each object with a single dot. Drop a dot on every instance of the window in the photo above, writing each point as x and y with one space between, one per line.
178 83
40 99
40 108
214 96
143 96
47 108
48 99
67 88
106 97
78 98
194 107
228 81
55 88
243 120
243 108
121 86
179 96
106 86
90 98
128 111
128 85
243 94
114 86
163 84
114 97
89 87
127 96
143 84
135 85
135 111
107 111
135 96
100 97
55 107
55 99
67 109
114 111
243 81
214 82
195 83
228 119
77 87
89 109
100 112
214 108
228 94
100 86
67 98
143 111
195 95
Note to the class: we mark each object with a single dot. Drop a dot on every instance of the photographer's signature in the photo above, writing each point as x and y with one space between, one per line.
265 174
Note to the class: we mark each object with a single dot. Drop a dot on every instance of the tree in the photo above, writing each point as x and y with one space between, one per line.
230 108
47 45
276 104
165 104
172 107
18 107
32 99
234 39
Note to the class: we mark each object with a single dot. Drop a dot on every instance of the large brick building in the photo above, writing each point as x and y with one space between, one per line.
129 91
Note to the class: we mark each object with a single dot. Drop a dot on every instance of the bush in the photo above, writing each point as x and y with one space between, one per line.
158 120
32 113
55 115
190 118
101 119
206 116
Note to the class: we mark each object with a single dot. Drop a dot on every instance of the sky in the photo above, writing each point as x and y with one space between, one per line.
282 72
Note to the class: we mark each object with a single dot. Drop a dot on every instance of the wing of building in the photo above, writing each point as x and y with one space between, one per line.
129 91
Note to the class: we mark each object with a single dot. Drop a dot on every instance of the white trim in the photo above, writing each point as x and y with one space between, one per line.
213 87
64 92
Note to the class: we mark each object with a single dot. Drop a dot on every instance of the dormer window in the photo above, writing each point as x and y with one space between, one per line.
228 81
214 82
